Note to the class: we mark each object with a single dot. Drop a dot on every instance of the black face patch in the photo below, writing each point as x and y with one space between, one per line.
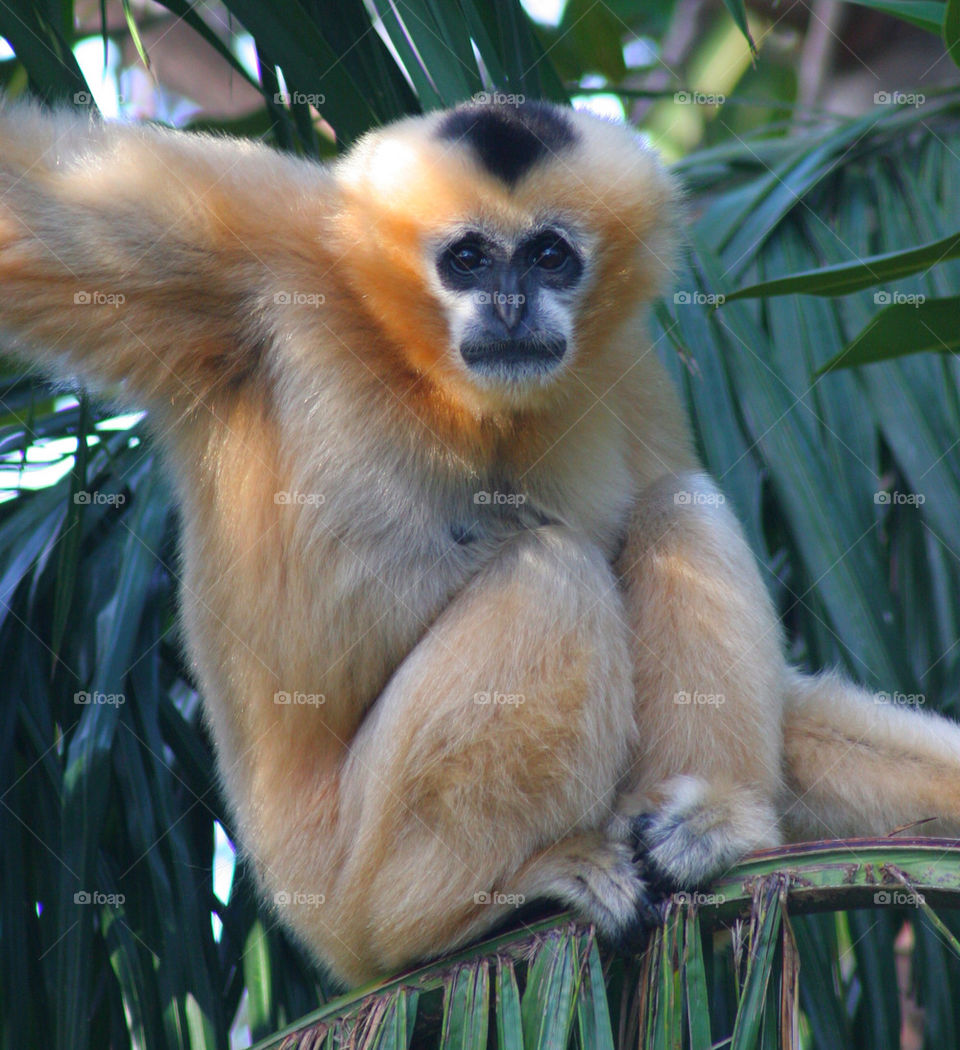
509 140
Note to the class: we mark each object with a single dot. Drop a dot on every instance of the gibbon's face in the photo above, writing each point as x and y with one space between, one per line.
500 246
510 302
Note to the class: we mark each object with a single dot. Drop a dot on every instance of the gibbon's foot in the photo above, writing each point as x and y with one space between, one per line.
610 892
660 883
698 833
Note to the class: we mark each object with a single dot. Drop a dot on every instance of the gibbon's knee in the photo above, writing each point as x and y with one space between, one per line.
508 726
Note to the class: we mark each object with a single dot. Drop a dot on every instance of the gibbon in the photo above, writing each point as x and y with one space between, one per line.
450 565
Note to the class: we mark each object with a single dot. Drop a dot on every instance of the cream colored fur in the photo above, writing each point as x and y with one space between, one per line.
476 724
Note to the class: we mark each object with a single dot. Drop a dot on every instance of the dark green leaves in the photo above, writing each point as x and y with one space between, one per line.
924 14
844 278
951 29
42 43
912 327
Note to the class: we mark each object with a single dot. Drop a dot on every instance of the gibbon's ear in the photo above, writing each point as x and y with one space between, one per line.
149 258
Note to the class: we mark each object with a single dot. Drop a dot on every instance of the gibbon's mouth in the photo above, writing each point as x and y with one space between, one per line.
521 356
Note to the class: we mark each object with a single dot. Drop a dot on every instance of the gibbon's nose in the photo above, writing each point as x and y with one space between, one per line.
508 302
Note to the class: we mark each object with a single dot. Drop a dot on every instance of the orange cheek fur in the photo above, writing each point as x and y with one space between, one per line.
410 349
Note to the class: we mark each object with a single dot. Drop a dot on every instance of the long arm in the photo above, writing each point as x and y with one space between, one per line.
709 679
133 255
739 750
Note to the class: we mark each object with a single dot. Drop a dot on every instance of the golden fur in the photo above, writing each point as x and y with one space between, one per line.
471 723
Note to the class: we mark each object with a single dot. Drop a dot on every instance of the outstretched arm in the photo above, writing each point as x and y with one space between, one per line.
127 252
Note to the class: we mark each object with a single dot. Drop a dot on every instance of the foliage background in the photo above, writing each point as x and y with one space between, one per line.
109 813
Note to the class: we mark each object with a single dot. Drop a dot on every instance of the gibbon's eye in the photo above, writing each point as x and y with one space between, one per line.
552 256
551 253
467 257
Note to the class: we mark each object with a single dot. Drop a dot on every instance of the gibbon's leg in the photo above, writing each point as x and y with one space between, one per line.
857 764
709 679
486 772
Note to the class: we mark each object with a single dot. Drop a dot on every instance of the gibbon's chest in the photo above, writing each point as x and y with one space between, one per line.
329 562
398 542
